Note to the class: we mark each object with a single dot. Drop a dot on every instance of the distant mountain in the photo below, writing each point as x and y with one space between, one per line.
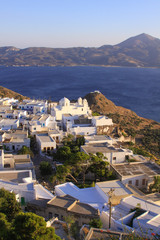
139 51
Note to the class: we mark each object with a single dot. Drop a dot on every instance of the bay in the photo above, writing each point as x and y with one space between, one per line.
135 88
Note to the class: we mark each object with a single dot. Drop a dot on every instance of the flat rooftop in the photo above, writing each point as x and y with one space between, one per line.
15 176
132 169
119 188
100 147
97 138
63 201
44 137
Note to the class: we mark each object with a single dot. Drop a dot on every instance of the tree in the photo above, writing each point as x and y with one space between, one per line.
83 161
25 150
99 166
68 139
80 140
8 204
156 184
63 154
95 223
69 221
29 226
5 228
62 172
45 168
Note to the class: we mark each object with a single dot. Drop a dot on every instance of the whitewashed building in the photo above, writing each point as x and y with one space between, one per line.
8 124
15 140
66 107
45 142
113 154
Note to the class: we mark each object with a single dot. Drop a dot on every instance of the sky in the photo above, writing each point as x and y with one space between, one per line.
76 23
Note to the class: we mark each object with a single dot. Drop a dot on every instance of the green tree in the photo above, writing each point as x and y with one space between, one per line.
69 221
29 226
8 204
5 228
80 140
45 168
156 184
95 223
68 139
83 161
62 172
26 150
63 154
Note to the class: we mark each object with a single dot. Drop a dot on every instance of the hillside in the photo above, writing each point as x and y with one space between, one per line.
146 131
139 51
5 92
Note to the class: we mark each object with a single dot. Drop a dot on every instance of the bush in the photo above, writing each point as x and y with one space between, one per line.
45 168
95 223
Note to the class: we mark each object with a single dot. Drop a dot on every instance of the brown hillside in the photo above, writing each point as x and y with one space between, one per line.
146 132
100 104
5 92
122 116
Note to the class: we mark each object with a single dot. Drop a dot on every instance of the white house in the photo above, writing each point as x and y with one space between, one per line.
8 124
78 124
45 142
34 106
41 123
101 121
15 140
17 162
92 196
146 224
94 139
13 114
113 154
66 107
26 191
138 174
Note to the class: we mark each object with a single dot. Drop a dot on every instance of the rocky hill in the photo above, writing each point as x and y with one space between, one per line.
5 92
127 122
140 51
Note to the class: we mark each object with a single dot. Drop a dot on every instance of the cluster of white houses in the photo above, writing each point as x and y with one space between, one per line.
49 123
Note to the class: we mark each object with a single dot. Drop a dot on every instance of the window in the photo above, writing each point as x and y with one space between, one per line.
7 165
143 181
114 158
137 182
56 215
50 215
130 182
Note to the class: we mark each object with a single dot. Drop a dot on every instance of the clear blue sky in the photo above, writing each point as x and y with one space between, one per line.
72 23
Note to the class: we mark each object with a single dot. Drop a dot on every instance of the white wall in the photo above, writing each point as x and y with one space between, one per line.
82 130
102 121
125 180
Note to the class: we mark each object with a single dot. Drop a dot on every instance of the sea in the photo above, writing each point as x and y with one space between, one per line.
137 89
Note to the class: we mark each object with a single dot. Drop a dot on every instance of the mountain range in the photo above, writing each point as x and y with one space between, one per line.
139 51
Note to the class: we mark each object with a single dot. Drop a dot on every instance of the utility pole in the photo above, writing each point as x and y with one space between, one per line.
110 194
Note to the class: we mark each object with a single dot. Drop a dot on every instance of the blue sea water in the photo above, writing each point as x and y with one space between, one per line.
135 88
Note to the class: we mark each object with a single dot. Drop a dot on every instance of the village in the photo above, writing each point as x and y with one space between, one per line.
62 163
